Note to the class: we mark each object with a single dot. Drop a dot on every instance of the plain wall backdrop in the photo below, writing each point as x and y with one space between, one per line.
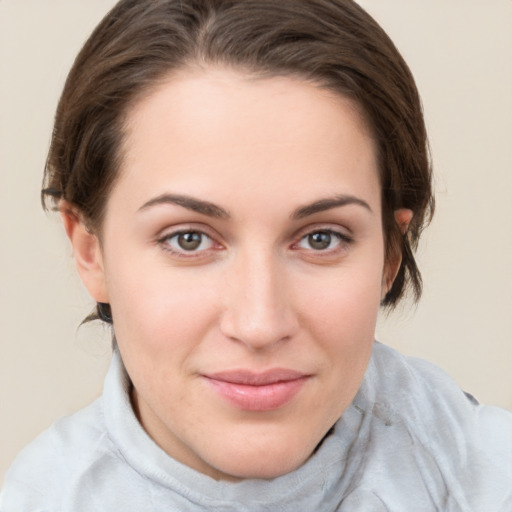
461 55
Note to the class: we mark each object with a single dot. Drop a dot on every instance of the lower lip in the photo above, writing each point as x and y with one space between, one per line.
258 398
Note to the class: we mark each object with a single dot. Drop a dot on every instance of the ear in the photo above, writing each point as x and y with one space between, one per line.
86 251
403 218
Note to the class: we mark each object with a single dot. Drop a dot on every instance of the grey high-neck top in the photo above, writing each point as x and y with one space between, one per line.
410 441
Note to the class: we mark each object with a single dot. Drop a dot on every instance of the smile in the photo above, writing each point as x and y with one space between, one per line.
257 391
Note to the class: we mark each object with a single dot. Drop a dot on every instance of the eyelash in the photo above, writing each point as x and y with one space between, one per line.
164 242
342 240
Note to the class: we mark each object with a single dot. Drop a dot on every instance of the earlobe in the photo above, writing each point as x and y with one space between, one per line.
86 252
403 218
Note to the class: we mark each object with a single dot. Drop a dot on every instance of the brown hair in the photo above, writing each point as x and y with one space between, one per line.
333 43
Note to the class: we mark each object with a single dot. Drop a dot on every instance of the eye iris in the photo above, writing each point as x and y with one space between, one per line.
189 241
320 240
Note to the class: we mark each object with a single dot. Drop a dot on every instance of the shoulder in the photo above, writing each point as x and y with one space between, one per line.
48 466
468 445
424 396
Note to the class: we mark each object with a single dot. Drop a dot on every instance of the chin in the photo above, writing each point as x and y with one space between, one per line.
268 461
268 469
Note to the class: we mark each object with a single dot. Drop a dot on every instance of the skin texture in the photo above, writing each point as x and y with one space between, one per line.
257 293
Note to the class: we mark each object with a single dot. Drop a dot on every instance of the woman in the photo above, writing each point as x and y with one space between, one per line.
243 184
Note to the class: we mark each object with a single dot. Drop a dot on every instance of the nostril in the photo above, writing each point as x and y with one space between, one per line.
258 328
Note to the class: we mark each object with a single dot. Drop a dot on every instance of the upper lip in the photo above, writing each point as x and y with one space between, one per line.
251 378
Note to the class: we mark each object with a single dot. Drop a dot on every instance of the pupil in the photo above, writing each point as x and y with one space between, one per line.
320 240
189 241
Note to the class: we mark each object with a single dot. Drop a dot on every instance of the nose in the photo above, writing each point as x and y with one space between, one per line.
258 310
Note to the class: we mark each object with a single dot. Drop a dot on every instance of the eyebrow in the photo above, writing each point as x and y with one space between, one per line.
212 210
190 203
328 203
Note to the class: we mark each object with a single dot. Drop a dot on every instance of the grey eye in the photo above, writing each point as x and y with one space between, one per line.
189 241
323 240
319 240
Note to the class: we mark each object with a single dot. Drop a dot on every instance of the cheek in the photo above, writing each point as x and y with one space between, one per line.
346 301
157 307
343 322
342 319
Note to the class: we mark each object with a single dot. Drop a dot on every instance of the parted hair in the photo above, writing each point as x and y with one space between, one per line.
333 43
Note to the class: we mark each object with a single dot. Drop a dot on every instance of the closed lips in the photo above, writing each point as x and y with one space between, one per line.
257 379
258 391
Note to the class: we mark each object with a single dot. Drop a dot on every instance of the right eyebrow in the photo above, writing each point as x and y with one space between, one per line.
188 202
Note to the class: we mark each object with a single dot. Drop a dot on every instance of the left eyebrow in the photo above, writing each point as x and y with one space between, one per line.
327 204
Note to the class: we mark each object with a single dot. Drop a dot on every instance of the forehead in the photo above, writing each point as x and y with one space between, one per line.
209 128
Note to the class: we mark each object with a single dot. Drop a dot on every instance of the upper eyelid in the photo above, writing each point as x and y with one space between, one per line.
337 230
342 238
170 231
172 234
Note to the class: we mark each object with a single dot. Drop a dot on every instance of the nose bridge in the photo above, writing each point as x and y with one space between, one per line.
258 312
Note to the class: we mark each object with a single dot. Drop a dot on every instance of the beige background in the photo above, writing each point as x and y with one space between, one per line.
461 54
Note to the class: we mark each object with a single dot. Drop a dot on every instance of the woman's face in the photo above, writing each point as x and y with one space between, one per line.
243 257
